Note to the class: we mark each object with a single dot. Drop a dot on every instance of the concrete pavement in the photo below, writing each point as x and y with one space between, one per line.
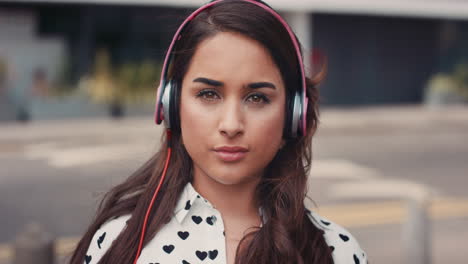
55 145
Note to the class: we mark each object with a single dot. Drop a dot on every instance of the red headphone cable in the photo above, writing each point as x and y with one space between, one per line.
168 158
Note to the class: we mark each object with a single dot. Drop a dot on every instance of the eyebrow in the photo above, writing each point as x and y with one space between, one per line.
261 84
208 81
255 85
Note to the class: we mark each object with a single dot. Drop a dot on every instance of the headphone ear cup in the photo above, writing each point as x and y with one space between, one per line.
170 103
166 102
296 114
158 111
174 102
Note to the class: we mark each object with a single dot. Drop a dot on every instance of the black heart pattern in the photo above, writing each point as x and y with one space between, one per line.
201 254
101 239
209 220
168 248
197 219
187 205
183 235
213 254
344 237
88 259
356 260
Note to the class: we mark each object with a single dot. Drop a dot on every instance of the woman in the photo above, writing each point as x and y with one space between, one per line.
233 93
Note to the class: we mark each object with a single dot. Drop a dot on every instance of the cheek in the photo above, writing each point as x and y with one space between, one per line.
266 135
272 119
194 125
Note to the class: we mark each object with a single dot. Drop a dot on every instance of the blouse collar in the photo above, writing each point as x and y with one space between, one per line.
189 199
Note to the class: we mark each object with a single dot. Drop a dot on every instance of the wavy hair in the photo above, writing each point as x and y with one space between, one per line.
288 236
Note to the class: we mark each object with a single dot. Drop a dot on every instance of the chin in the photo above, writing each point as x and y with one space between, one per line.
232 177
228 181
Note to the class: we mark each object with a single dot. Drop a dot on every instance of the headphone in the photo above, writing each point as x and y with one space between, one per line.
167 110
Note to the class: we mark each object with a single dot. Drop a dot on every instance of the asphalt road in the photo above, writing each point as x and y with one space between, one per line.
55 173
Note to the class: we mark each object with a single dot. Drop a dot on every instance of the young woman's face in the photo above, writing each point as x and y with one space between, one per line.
232 96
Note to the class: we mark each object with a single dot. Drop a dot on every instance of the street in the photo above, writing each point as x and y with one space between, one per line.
56 172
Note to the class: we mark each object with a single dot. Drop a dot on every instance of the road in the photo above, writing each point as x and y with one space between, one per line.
55 173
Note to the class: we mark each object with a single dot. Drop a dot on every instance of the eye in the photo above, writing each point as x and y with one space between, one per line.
258 98
208 95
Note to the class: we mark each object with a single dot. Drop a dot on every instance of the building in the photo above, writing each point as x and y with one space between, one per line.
379 52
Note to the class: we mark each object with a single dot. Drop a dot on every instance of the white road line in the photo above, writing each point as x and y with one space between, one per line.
38 151
87 155
383 188
341 169
391 212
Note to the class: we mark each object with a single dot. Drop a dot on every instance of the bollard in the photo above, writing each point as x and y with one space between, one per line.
416 236
33 245
417 232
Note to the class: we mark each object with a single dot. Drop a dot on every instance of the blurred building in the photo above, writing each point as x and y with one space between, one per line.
379 52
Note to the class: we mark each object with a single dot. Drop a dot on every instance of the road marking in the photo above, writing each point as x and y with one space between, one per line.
341 169
87 155
63 247
347 215
390 212
6 253
382 188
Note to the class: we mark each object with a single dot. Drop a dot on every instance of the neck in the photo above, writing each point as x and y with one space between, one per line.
232 200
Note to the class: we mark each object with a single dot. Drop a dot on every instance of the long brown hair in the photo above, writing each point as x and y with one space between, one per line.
288 236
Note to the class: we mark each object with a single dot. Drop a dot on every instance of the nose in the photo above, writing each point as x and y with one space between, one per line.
231 122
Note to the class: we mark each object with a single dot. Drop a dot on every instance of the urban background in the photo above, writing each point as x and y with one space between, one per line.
78 82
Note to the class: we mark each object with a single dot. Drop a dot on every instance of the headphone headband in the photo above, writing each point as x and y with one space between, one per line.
161 114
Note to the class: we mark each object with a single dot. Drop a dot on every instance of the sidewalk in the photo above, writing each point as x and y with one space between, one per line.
332 120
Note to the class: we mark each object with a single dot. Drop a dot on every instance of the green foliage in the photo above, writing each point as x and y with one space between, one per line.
460 76
3 70
454 83
126 83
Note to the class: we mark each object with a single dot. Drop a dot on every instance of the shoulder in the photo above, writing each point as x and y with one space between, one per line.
345 247
103 238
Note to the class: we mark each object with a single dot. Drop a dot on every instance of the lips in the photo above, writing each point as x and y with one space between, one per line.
231 153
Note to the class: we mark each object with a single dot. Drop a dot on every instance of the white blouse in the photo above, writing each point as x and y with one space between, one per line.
195 234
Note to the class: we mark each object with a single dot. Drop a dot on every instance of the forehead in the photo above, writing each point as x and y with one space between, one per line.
233 57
